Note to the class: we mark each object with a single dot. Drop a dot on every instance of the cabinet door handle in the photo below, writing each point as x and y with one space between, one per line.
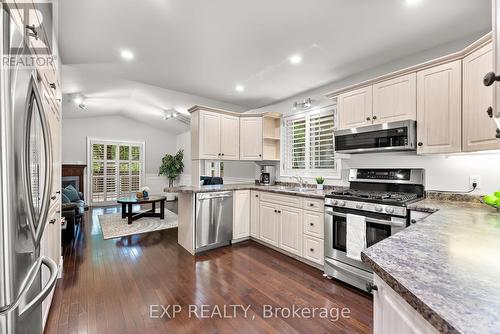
312 249
498 134
374 117
279 211
222 154
260 155
368 119
420 144
256 195
311 224
311 204
53 197
490 78
58 192
52 221
413 221
52 85
489 111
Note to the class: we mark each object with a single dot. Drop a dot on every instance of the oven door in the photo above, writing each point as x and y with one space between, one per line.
378 227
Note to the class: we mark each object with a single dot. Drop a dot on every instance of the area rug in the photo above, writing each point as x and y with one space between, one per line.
113 226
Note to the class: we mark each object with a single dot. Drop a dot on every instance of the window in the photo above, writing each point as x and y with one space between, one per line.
309 143
116 170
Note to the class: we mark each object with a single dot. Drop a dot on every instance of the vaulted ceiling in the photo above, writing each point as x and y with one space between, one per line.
206 48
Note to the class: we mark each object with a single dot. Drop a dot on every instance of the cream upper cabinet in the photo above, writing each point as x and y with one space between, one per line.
241 214
395 99
255 214
269 223
439 109
478 128
229 137
251 138
215 136
209 135
290 230
355 108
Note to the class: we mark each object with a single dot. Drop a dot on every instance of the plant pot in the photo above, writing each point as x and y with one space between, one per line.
319 186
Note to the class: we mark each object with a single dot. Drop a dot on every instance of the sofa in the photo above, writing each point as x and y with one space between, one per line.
73 208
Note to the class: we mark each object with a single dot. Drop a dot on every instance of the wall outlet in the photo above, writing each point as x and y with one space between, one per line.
475 179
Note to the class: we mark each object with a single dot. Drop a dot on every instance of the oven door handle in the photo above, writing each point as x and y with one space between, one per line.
368 219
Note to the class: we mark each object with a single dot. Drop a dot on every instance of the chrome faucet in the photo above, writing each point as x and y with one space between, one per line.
300 180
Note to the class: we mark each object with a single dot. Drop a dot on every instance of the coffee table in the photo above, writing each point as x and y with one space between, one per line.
127 203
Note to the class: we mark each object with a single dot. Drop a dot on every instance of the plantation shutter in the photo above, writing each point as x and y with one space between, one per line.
309 147
321 149
295 130
116 170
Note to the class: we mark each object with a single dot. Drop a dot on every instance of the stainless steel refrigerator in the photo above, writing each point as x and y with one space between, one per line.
25 186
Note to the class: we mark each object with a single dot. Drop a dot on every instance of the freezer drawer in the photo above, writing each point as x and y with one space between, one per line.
214 220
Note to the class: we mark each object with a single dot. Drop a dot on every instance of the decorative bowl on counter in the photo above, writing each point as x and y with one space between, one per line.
492 200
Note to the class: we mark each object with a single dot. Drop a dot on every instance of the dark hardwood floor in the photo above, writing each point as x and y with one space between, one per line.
108 286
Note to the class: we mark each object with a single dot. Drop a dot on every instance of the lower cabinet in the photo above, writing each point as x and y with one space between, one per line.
269 223
255 214
393 315
241 214
295 227
314 249
290 232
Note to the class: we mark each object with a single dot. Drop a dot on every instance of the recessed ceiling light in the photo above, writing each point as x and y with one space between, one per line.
295 59
413 2
239 88
127 54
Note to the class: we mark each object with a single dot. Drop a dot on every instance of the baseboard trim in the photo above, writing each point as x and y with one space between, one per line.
296 257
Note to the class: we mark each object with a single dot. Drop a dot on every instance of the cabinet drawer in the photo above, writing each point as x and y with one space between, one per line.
293 201
314 204
313 249
314 224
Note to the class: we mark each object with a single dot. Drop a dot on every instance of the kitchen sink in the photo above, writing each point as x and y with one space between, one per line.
297 189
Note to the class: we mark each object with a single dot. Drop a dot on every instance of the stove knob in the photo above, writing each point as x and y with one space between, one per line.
342 203
335 202
378 208
359 206
389 210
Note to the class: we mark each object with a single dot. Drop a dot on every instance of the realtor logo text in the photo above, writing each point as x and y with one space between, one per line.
232 311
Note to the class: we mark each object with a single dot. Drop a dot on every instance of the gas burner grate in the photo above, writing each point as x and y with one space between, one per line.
399 197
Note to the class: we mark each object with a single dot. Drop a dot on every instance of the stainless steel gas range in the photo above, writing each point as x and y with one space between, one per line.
381 197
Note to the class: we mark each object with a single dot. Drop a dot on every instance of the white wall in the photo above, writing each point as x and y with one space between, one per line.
183 141
442 172
158 143
234 171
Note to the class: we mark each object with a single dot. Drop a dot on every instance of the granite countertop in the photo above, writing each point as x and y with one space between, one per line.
311 192
447 266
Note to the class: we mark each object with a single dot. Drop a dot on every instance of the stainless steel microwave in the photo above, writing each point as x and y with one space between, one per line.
394 136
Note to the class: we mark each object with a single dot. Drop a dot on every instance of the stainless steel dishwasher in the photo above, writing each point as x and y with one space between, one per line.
214 220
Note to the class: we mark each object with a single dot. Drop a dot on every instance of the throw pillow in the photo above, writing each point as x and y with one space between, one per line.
71 193
64 198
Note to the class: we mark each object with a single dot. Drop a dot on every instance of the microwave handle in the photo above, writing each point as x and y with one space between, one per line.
368 219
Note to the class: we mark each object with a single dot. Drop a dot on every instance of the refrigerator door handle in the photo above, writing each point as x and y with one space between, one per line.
52 266
37 230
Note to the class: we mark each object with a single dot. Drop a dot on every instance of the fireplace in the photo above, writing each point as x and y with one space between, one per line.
71 180
73 174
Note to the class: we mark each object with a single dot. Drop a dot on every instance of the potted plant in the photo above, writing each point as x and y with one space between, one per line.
172 166
320 180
